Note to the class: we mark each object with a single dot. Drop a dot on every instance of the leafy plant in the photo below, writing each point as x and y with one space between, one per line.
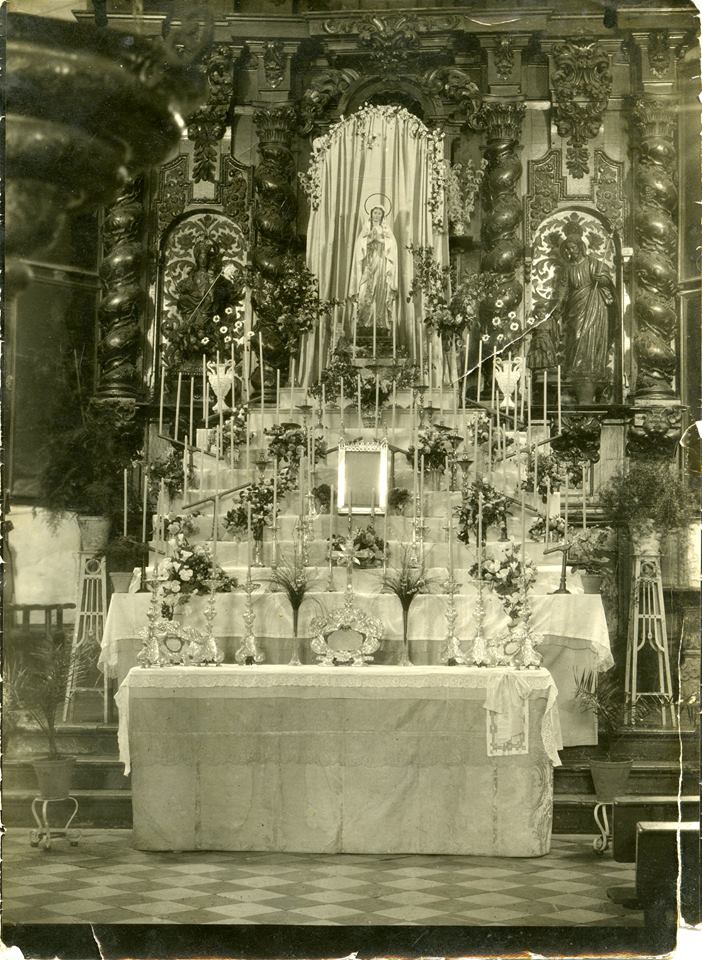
288 444
537 527
407 581
398 498
124 553
170 470
592 550
435 444
48 664
604 695
322 493
293 579
340 369
650 492
551 473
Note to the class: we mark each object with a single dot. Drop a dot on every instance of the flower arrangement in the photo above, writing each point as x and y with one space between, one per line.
495 510
551 473
233 430
648 494
288 306
339 369
462 184
288 443
509 577
368 547
259 497
435 444
190 570
556 527
449 314
322 494
481 423
368 391
170 470
593 551
398 499
180 525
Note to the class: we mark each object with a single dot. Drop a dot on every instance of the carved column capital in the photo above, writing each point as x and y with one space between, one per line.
502 120
654 116
275 122
654 433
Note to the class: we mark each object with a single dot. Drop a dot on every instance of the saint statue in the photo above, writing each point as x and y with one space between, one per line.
373 282
585 296
194 293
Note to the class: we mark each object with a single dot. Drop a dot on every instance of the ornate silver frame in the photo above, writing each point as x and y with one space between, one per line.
346 617
363 446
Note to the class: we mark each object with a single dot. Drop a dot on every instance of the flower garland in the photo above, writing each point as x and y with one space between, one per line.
510 578
462 184
435 444
556 528
495 510
361 123
189 570
289 443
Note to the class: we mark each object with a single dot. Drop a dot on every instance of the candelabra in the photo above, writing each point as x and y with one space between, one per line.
150 653
523 634
455 439
416 551
248 653
479 656
453 653
301 531
419 389
203 650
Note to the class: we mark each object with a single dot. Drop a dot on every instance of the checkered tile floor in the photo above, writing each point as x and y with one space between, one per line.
104 880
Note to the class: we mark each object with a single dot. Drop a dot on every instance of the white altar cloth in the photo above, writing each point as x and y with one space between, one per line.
374 759
573 626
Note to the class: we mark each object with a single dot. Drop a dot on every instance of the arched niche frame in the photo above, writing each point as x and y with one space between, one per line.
603 249
177 255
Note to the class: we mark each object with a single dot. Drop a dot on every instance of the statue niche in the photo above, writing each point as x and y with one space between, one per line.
574 300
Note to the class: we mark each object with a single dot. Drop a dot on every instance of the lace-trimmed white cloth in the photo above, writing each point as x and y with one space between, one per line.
357 682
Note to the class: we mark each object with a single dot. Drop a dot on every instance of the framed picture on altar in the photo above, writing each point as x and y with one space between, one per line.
362 476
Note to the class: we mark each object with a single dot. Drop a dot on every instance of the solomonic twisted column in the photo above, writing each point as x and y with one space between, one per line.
275 181
123 294
502 208
655 222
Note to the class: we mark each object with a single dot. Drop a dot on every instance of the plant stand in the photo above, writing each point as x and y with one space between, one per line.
44 833
89 624
601 844
647 627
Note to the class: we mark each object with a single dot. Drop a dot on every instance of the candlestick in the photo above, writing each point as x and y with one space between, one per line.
565 528
480 369
431 369
177 410
215 527
233 359
248 450
523 518
358 396
377 395
324 407
126 487
162 510
205 396
480 536
545 399
372 513
585 465
248 537
465 368
275 491
558 398
185 473
415 473
385 538
260 365
548 510
277 395
341 403
421 487
292 386
421 352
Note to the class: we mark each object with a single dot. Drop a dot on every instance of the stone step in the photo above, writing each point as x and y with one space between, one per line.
90 773
79 739
645 743
647 777
572 813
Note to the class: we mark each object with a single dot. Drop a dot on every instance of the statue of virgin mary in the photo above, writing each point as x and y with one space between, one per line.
373 281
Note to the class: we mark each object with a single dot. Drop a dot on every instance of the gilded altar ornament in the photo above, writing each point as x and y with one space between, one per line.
347 618
203 651
452 652
248 652
479 654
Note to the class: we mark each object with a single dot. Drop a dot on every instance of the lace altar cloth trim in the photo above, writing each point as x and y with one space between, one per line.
237 681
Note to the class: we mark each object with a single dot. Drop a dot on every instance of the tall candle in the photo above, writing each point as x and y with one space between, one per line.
292 386
341 400
559 398
523 507
431 368
372 505
421 353
480 369
545 401
233 359
248 450
529 414
450 545
394 406
465 367
331 518
324 407
126 487
204 386
215 527
565 531
177 410
358 397
476 422
185 472
275 491
584 496
192 412
143 506
480 536
416 472
160 402
377 398
162 510
248 531
260 365
277 395
385 536
421 487
548 510
220 432
489 449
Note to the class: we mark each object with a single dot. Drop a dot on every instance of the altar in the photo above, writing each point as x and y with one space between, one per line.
381 759
573 627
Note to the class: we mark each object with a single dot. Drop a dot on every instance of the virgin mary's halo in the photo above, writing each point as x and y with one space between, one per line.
385 207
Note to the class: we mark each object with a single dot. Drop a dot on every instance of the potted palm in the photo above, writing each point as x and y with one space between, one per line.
48 665
591 553
651 498
604 695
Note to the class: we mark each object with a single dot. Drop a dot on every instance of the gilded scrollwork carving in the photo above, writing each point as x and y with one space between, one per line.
324 91
581 82
234 191
654 433
392 41
608 182
274 63
174 191
579 438
123 294
454 85
659 53
655 247
502 207
207 125
504 58
276 199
